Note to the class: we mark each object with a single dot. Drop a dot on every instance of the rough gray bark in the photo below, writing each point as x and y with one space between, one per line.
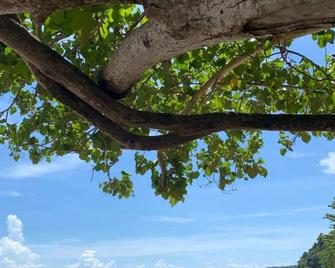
175 27
68 76
179 26
42 8
56 68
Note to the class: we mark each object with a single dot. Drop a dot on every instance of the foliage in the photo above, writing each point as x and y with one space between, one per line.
322 254
328 255
312 258
274 81
291 266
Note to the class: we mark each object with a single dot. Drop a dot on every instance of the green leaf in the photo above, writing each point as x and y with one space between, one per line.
283 151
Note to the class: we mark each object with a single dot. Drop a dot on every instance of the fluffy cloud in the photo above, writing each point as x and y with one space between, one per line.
89 260
163 264
15 228
13 253
231 264
328 163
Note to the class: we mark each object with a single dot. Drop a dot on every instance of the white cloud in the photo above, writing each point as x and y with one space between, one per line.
231 264
209 265
89 260
15 228
10 193
178 220
162 264
13 253
274 214
159 264
328 163
184 245
28 170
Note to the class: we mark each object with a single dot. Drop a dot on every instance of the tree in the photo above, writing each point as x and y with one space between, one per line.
322 253
328 254
312 258
291 266
97 77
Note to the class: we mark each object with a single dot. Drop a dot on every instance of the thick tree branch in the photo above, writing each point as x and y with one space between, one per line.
239 60
56 68
60 70
136 142
42 8
145 46
180 26
108 127
219 75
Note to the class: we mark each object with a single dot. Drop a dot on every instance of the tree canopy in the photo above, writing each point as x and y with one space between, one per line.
322 253
97 78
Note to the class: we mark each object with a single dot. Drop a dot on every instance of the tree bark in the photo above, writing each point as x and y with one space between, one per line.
168 34
70 78
45 7
108 127
179 26
232 121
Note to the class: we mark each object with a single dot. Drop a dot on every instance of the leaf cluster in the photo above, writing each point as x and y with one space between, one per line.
277 80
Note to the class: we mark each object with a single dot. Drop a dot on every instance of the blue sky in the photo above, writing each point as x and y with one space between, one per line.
53 215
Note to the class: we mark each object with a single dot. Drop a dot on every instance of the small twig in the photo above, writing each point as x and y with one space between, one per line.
243 58
89 36
89 134
284 54
312 62
162 164
7 110
219 76
92 174
263 84
134 25
59 36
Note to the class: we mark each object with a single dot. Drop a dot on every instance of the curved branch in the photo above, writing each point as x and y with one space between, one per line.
179 26
58 69
146 46
64 73
233 121
219 75
108 127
